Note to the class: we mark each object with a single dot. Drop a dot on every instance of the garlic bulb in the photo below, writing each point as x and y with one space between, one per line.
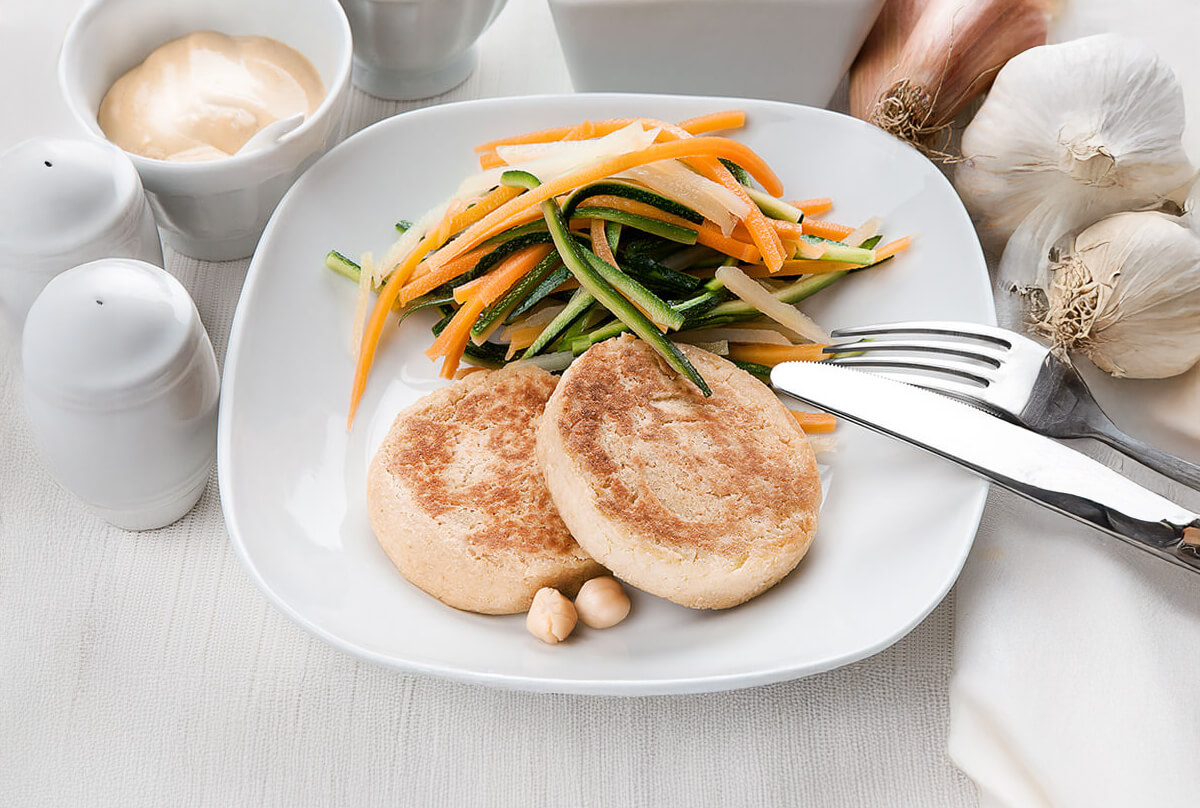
1073 132
1127 295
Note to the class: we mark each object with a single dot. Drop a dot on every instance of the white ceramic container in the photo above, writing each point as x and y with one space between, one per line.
64 203
783 50
409 49
121 389
214 210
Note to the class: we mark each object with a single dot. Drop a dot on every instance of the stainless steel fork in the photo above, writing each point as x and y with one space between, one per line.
1000 371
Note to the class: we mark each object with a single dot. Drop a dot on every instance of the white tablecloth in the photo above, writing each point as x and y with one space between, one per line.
146 669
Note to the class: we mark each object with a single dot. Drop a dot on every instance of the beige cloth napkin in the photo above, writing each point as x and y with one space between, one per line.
1075 655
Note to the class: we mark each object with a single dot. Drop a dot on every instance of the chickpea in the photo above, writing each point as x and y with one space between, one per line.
551 616
602 602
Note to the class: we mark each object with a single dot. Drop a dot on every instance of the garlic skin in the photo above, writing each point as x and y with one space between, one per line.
1073 132
1127 295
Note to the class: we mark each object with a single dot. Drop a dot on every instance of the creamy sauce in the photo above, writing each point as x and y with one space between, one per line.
202 96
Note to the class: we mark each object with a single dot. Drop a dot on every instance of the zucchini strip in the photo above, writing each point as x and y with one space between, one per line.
659 278
671 232
580 302
556 279
629 191
837 251
343 266
775 208
662 315
590 278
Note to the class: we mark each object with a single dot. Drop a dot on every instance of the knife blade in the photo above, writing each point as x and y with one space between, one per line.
1024 462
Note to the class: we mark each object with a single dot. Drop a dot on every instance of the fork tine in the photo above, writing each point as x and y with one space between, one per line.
978 354
939 327
914 366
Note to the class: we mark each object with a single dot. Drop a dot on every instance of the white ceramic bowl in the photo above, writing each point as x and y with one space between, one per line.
418 48
784 50
214 210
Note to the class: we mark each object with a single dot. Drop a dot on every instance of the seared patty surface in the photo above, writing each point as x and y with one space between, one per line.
704 501
458 503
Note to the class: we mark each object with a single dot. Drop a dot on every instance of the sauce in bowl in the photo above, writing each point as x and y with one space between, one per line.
203 95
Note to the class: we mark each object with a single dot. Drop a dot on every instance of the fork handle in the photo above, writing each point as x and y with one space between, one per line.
1164 463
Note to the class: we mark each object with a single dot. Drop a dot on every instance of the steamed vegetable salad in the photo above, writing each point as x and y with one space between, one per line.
573 235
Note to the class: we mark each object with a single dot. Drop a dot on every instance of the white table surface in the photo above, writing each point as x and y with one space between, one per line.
146 669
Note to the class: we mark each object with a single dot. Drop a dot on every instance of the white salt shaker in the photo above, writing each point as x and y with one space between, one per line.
121 390
64 202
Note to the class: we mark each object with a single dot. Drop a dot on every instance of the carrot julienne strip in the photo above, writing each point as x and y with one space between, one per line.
815 423
761 353
893 247
452 342
600 244
829 230
701 124
815 206
432 279
516 266
492 200
710 235
715 121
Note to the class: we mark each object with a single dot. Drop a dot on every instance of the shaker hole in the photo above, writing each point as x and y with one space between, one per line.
48 164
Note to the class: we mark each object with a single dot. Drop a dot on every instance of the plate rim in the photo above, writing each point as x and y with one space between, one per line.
514 682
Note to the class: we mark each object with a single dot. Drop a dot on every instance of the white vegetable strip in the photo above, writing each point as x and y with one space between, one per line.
408 239
673 179
555 159
366 263
822 443
746 288
551 362
719 347
810 250
534 322
866 230
761 336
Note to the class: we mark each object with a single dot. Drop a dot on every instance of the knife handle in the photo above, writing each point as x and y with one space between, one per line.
1175 538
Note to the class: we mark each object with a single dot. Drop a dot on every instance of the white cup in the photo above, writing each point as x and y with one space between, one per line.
64 203
215 209
410 49
121 390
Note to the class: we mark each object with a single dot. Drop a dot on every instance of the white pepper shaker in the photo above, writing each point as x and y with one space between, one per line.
121 390
64 202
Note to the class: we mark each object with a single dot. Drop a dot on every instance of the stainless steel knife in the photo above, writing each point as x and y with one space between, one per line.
1033 466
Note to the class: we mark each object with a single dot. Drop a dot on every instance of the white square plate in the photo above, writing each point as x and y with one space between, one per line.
896 525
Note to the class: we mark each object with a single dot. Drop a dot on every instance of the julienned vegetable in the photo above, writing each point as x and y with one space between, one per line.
574 235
